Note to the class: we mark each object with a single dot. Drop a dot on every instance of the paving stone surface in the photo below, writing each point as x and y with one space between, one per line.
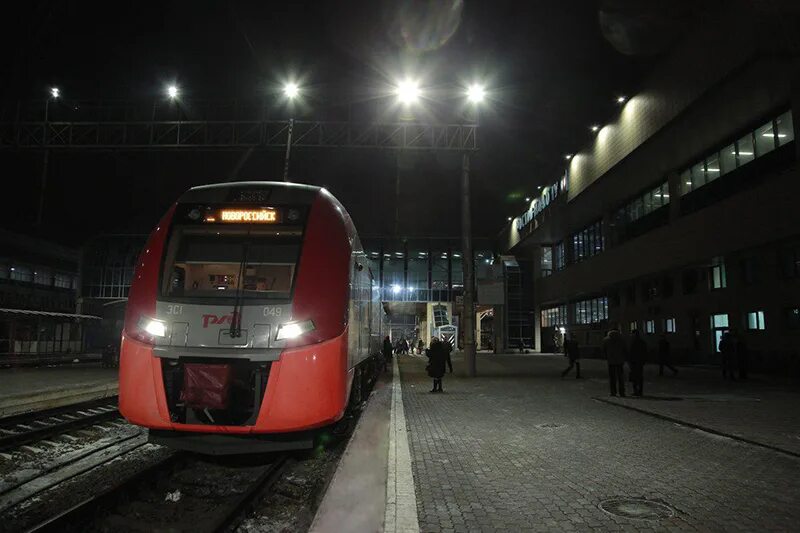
521 450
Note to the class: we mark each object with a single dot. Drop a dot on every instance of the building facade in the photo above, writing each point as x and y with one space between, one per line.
679 219
38 289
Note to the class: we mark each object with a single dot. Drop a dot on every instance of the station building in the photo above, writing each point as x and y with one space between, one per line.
38 297
680 218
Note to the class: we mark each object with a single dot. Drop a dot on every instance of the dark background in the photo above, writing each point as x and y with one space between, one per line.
552 69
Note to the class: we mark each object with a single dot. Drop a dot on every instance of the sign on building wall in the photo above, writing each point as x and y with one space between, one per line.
538 205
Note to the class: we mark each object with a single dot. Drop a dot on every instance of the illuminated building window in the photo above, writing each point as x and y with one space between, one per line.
669 325
554 316
21 273
547 261
755 320
644 204
650 326
591 311
718 278
587 242
764 139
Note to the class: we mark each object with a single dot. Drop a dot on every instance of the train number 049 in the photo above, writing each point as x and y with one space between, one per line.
273 311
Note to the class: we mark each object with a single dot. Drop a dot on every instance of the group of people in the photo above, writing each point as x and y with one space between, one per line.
438 354
403 347
618 352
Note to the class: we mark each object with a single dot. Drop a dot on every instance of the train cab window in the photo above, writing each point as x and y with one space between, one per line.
214 263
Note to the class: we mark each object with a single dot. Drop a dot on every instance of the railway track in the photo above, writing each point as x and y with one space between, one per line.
179 493
28 428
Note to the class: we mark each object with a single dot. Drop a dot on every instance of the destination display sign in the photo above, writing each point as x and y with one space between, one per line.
266 215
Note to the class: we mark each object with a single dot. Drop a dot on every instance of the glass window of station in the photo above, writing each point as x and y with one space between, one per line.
554 316
591 311
757 143
546 262
644 205
587 242
755 321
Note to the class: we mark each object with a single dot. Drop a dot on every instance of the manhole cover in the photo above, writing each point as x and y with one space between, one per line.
637 508
549 426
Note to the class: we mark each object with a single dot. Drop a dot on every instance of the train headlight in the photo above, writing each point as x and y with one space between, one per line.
151 326
292 330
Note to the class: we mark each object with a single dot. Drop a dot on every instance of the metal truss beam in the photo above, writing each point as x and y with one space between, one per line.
214 134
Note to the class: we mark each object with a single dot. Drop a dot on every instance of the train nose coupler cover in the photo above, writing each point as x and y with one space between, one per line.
206 386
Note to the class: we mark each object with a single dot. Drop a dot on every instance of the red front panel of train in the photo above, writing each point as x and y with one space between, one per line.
306 387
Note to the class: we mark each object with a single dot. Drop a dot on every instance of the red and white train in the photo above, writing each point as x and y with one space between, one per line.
253 320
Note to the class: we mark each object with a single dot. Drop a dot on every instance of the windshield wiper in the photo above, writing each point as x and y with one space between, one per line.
235 330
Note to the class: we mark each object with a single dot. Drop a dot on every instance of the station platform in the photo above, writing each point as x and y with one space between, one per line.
521 449
28 389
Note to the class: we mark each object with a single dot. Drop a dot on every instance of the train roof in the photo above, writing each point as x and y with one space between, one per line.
278 192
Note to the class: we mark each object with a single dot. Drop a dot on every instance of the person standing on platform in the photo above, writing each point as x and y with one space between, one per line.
614 350
448 349
637 356
436 363
665 356
573 352
727 348
420 347
387 349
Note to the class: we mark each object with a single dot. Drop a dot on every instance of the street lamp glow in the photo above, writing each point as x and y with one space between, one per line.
408 91
172 91
621 99
509 219
568 156
291 90
55 92
527 198
594 128
476 93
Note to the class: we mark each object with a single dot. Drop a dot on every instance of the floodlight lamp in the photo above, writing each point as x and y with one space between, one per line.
408 91
476 93
291 90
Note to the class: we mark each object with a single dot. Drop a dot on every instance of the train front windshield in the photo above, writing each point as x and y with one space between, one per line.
221 262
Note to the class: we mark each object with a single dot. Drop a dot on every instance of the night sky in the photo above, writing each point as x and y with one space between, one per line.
552 69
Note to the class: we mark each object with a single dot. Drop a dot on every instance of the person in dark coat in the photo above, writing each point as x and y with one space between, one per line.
614 350
387 349
573 352
437 355
636 358
420 347
727 348
448 349
665 356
